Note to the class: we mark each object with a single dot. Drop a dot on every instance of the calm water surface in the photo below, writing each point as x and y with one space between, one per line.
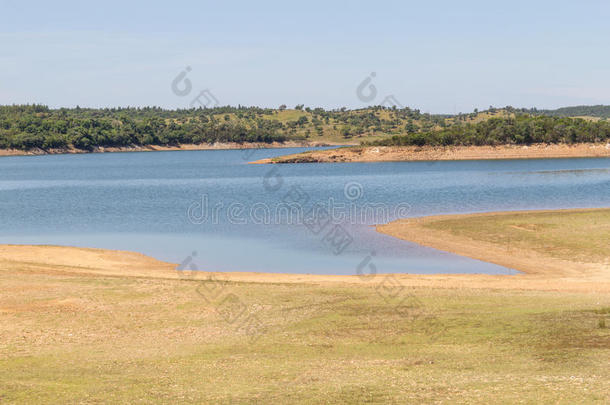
155 203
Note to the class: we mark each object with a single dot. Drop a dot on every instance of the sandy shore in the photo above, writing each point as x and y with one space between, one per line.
536 275
416 153
536 266
156 148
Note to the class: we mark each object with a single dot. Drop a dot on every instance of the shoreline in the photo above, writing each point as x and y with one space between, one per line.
531 263
442 153
86 320
157 148
537 271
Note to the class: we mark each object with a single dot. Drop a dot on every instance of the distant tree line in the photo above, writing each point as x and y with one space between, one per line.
521 129
36 126
27 127
600 111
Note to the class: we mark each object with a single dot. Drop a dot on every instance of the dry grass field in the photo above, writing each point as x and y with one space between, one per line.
93 326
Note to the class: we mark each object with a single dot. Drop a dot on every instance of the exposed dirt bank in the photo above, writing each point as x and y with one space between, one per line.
415 153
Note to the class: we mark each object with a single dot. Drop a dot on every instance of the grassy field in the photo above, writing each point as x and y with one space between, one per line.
70 336
581 236
80 339
332 130
552 245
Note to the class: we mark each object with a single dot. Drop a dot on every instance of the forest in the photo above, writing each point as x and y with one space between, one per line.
599 111
520 129
36 126
28 127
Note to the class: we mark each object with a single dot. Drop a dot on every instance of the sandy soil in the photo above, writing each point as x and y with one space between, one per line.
538 273
414 153
153 148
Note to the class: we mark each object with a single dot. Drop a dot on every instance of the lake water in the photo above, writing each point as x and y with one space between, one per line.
240 217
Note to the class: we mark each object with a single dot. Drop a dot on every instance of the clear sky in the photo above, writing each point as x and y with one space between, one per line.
439 56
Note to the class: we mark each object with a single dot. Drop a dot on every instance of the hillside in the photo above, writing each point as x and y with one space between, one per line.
596 111
42 129
26 127
520 129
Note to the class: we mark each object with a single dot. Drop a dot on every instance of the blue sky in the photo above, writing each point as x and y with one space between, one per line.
439 56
